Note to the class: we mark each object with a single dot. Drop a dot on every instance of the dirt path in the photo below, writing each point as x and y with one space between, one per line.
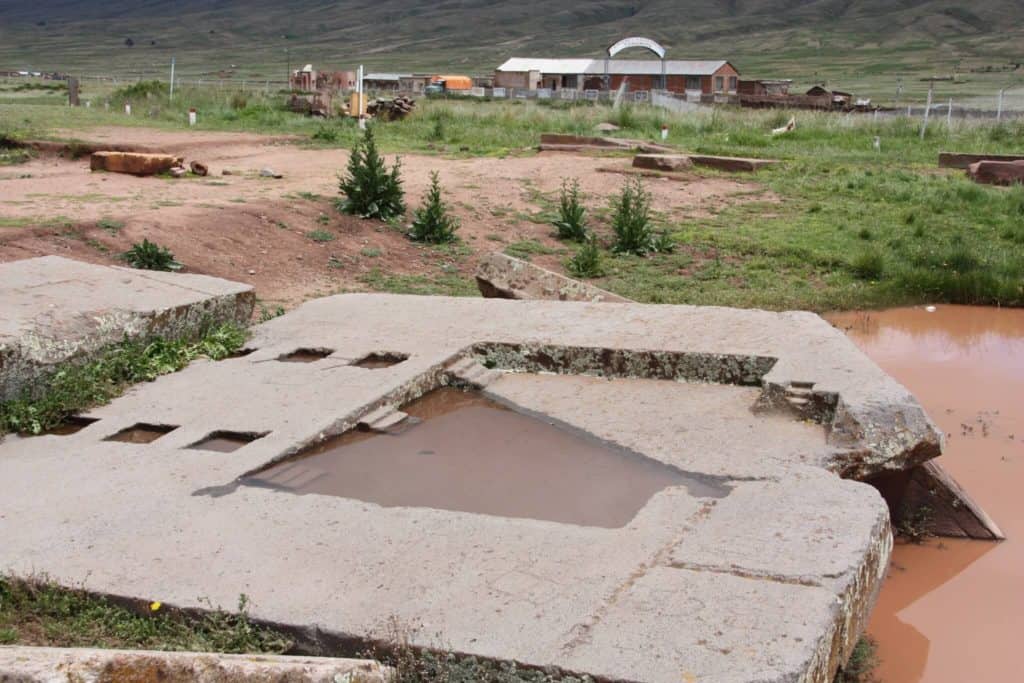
253 229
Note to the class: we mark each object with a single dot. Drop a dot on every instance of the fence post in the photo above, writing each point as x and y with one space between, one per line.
949 114
927 110
999 106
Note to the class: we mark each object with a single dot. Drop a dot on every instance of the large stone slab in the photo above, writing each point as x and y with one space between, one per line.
57 310
50 664
133 163
997 172
663 162
768 580
505 277
964 160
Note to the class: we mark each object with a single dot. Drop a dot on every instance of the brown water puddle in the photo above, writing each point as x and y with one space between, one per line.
951 611
466 453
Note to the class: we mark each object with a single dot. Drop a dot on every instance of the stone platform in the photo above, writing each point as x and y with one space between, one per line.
57 310
771 580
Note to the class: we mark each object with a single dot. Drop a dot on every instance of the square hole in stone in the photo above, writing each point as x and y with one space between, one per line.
142 432
70 425
305 355
226 442
242 353
384 359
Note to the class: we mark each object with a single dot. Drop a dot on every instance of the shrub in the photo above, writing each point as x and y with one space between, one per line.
433 223
572 222
663 243
631 221
150 256
862 664
869 265
239 101
587 261
370 190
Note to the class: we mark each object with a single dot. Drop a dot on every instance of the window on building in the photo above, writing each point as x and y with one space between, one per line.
719 83
693 82
733 83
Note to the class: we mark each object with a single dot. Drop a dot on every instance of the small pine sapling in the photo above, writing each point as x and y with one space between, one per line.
572 222
631 221
433 223
370 190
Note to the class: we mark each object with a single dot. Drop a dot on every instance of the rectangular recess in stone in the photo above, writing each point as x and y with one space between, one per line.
223 441
142 432
471 454
242 353
384 359
71 425
305 355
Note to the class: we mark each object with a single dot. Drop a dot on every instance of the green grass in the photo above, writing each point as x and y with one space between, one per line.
321 236
862 664
524 249
39 612
77 387
836 225
446 284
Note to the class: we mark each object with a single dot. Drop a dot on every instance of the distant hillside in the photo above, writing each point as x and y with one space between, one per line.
802 38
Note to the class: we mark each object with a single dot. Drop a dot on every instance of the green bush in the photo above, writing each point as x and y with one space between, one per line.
869 265
433 223
150 256
320 236
572 222
631 221
587 262
369 189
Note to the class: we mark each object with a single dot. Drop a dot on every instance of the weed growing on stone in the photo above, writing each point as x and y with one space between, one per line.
587 262
631 220
862 664
39 612
433 223
76 387
150 256
369 189
572 221
915 524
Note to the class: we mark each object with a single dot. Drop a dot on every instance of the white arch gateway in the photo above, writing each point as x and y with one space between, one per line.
631 42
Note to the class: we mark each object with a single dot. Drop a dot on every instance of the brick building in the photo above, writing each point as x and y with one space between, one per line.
692 77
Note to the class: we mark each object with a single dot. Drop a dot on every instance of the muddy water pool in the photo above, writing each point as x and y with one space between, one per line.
952 611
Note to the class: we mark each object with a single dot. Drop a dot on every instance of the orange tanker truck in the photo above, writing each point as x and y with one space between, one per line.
449 83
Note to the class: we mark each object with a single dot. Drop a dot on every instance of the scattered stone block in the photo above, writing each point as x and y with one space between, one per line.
57 310
500 276
663 162
560 142
199 168
133 163
997 172
48 664
731 164
269 173
964 160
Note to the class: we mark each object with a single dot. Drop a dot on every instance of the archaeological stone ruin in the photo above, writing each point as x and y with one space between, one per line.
633 492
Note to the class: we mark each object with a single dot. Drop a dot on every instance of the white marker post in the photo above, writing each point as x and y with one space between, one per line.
192 116
359 98
664 131
927 110
128 109
949 114
171 95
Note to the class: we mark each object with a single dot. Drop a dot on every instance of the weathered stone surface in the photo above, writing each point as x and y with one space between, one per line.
997 172
560 142
663 162
732 164
199 168
133 163
962 161
769 583
50 665
57 310
501 276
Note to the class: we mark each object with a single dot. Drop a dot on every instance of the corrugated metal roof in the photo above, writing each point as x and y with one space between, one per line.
639 67
549 66
385 77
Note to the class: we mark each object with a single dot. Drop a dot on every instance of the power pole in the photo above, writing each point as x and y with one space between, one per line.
171 97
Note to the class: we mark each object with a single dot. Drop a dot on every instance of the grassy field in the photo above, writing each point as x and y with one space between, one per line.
842 224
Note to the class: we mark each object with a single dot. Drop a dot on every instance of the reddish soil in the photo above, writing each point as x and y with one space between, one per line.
952 610
253 229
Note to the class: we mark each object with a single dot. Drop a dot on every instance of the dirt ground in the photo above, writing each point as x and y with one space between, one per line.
254 229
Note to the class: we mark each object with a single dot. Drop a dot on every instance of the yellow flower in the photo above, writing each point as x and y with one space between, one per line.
155 606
